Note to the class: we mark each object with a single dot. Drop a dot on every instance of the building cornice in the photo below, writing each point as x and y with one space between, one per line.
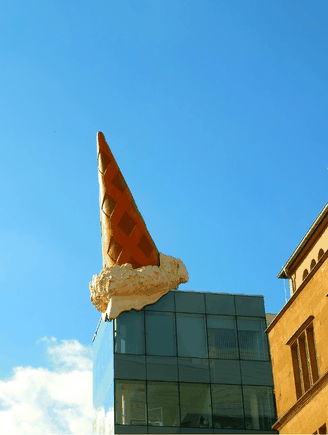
298 291
284 272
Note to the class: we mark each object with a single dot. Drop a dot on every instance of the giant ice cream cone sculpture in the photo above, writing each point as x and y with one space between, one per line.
135 274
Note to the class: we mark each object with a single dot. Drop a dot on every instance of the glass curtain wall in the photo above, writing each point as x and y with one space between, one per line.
259 407
191 334
130 403
228 410
103 379
160 334
194 404
222 337
163 404
252 342
129 333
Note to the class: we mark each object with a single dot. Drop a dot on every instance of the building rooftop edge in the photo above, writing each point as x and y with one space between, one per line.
283 273
195 291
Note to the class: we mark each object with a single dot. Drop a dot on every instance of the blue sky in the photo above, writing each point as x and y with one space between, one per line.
216 112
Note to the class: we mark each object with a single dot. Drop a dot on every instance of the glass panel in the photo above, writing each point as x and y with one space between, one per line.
227 407
163 404
189 302
191 335
194 370
195 405
130 403
308 361
102 363
130 367
160 333
299 368
259 408
312 353
303 361
222 337
130 337
103 382
252 339
225 371
161 368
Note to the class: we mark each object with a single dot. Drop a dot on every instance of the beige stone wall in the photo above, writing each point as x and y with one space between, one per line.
311 300
311 417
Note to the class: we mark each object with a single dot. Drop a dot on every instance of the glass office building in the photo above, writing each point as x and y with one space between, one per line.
193 362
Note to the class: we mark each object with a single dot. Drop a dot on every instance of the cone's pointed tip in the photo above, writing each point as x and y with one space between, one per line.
100 136
101 141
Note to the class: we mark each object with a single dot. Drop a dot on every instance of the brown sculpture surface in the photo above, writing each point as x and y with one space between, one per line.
125 238
134 273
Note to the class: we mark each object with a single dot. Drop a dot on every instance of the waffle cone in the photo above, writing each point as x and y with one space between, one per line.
125 238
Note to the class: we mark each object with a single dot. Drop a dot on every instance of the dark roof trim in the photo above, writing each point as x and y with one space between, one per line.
284 272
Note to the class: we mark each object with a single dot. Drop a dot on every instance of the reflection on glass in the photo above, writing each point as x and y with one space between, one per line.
103 422
222 337
163 404
160 333
102 363
129 336
130 403
252 339
193 369
191 335
259 407
299 367
227 407
195 404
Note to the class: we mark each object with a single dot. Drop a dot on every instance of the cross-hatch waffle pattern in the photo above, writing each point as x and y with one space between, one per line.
125 238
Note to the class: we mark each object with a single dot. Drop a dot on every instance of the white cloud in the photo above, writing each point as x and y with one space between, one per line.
42 401
48 340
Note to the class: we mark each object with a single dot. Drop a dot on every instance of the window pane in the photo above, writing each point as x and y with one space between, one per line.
161 368
102 362
163 404
191 335
194 370
222 337
130 333
195 405
252 339
308 361
259 408
227 407
103 377
296 370
130 403
160 333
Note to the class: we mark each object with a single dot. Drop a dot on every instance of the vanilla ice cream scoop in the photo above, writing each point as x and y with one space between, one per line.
121 288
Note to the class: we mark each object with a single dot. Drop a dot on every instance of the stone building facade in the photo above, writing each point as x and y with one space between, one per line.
298 337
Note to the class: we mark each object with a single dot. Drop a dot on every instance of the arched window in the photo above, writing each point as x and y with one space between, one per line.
305 274
320 254
313 263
